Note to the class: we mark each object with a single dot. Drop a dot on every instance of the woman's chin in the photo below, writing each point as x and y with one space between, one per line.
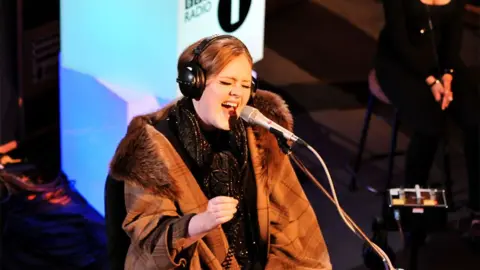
226 121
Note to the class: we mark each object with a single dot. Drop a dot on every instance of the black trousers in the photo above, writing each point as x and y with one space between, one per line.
419 111
420 156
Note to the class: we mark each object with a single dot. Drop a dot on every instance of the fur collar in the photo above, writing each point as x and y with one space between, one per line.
138 158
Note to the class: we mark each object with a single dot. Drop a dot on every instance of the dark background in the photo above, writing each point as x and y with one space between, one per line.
317 56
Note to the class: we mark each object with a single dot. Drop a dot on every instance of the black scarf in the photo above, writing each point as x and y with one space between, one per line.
221 159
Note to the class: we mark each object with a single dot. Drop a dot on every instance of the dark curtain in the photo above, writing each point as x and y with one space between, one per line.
474 2
274 6
9 109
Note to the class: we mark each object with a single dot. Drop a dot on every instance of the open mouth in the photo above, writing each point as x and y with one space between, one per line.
230 106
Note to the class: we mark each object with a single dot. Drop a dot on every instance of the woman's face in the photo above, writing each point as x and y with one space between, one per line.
225 95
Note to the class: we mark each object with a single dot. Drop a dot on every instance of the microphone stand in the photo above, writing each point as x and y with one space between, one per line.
287 149
282 142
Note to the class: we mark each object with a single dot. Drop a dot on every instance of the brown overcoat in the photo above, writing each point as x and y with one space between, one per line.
161 195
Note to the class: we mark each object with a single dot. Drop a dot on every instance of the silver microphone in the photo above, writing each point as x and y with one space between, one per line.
255 117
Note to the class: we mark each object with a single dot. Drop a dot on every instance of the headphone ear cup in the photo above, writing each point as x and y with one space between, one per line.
200 83
191 81
253 91
253 87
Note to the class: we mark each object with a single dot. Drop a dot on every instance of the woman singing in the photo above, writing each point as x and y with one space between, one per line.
203 189
419 68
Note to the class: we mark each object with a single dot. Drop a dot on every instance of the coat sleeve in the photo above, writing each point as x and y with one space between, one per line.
159 235
296 240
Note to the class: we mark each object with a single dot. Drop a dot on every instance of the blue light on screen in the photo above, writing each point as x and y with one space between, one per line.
90 129
128 44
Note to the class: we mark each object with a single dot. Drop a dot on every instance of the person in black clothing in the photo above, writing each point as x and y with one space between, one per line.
419 68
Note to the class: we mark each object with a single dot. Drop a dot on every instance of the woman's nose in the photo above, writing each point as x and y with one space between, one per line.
236 90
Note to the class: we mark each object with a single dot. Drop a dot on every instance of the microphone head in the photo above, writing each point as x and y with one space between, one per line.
247 113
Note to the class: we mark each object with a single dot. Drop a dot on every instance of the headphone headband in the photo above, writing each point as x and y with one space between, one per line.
192 78
204 44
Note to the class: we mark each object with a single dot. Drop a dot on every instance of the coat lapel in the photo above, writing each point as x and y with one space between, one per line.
262 188
214 246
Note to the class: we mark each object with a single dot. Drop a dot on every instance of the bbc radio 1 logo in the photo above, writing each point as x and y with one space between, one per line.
231 13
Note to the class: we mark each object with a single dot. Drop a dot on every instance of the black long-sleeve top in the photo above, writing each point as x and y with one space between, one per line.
407 38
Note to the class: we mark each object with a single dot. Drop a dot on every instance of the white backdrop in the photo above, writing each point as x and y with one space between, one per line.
118 60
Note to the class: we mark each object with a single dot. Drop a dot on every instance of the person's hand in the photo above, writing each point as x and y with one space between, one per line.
447 86
220 209
438 91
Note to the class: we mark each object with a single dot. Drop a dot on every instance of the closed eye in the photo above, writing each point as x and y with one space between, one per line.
224 83
246 86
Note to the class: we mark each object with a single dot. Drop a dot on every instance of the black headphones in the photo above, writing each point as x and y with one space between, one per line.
192 77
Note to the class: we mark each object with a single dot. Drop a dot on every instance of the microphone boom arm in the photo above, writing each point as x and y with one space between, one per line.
287 149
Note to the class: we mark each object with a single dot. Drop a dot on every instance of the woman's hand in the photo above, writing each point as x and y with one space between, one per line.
441 90
448 95
437 90
220 209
